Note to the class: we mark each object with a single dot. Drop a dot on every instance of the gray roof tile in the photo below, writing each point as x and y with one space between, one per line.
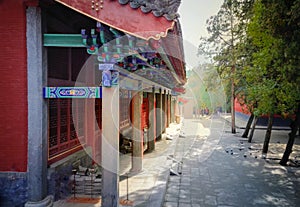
166 8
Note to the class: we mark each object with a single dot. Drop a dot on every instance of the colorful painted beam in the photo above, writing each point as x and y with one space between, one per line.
63 40
72 92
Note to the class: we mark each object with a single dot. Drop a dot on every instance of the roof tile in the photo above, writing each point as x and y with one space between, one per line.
166 8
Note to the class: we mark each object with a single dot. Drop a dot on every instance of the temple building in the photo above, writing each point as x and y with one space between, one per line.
84 81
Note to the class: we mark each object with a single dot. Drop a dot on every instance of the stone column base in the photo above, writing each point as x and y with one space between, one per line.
47 202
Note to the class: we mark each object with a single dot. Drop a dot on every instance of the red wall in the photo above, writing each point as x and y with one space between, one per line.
13 85
242 108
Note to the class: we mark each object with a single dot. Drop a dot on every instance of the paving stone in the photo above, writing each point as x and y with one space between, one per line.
170 204
210 200
185 205
197 200
174 192
225 206
171 198
225 180
184 197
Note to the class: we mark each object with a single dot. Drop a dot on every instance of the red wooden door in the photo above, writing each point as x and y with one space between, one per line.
145 113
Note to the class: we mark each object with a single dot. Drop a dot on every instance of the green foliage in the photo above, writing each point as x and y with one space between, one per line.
206 87
260 40
227 30
256 45
272 76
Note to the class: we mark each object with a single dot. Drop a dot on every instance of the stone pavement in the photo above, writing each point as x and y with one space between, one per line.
147 188
221 169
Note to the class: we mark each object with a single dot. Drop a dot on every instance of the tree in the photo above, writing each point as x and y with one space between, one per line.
248 126
274 77
225 30
295 126
252 130
213 86
206 88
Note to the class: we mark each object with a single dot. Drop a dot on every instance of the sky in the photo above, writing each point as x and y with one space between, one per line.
193 16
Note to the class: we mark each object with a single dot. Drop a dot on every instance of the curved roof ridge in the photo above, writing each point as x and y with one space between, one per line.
166 8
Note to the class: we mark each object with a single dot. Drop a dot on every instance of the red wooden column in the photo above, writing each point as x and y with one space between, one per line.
137 135
159 115
176 108
172 109
90 121
152 120
91 118
164 111
169 109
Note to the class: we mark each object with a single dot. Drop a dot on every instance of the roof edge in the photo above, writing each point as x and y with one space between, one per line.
159 8
156 35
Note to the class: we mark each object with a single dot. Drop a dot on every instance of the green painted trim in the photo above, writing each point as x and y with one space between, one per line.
63 40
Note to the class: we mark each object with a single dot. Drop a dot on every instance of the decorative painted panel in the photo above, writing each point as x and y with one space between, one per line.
72 92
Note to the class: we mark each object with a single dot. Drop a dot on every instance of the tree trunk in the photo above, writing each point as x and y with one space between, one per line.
233 130
268 134
289 146
248 126
253 129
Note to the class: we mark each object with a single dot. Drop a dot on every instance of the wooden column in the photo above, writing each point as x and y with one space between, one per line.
152 124
172 110
169 110
137 134
159 114
90 117
176 106
164 112
110 146
180 109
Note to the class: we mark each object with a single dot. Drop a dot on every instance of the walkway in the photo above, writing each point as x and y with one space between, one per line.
146 188
221 169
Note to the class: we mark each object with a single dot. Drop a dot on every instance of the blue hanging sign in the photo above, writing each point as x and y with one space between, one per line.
106 78
114 78
106 66
110 76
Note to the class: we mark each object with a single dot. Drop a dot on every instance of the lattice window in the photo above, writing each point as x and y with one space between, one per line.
67 122
53 123
125 98
62 132
64 114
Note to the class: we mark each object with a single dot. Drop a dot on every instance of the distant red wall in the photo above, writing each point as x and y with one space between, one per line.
242 108
13 85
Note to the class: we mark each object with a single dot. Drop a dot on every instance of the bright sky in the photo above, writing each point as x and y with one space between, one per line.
193 16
